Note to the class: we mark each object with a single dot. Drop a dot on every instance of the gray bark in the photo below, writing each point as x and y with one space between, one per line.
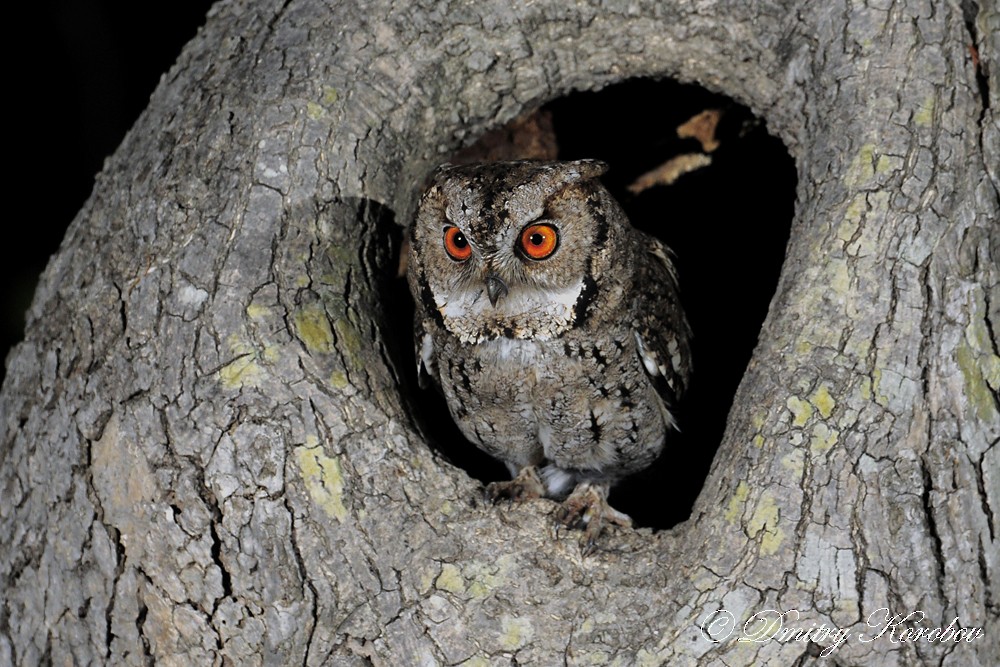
206 456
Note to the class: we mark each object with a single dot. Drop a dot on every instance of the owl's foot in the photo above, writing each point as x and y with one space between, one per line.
525 486
587 508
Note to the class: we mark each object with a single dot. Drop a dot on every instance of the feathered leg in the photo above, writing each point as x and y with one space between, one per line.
525 486
587 508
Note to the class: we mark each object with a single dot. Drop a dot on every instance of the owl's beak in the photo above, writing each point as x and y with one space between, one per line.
496 289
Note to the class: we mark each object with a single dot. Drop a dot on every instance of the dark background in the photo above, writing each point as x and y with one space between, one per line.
83 73
92 67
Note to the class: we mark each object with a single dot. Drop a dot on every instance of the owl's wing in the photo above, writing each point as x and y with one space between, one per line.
661 329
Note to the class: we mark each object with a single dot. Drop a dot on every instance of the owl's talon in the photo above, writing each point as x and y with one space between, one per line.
588 545
571 515
587 508
525 486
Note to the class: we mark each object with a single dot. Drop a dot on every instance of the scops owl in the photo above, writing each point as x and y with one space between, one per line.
552 327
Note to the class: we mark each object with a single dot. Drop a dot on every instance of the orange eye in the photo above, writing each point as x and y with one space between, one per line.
539 241
456 244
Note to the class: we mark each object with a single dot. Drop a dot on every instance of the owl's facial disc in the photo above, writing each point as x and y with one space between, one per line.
510 250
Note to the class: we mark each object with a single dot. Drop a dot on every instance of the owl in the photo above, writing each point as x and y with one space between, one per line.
552 327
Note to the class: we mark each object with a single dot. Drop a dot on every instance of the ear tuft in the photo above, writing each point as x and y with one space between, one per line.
587 169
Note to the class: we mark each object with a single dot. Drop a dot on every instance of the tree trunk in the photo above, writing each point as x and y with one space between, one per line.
207 456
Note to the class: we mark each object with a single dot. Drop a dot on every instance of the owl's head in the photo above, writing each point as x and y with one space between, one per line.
515 249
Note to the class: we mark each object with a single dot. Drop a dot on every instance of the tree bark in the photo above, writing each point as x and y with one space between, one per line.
207 456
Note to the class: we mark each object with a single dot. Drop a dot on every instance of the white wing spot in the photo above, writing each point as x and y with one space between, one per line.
647 359
426 352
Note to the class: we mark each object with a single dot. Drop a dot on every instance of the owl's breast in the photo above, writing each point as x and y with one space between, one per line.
578 402
491 391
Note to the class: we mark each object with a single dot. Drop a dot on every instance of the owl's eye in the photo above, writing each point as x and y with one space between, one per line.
456 244
539 241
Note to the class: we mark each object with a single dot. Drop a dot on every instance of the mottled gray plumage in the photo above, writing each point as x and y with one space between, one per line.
566 368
